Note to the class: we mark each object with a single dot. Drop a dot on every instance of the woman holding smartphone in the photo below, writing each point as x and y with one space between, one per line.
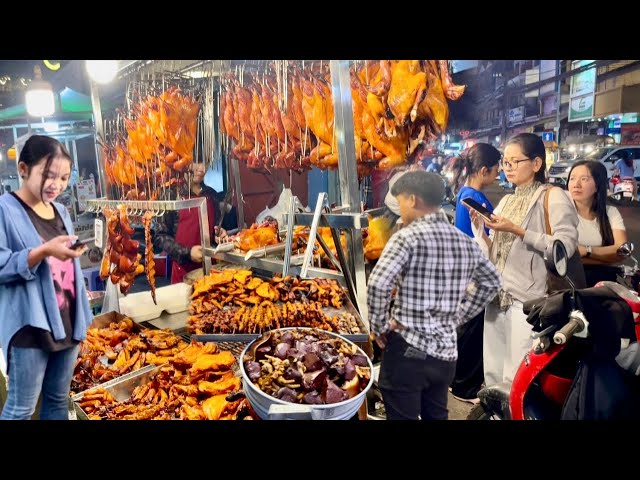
43 300
475 169
516 245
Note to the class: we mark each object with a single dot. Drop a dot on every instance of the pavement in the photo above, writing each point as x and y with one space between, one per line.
458 410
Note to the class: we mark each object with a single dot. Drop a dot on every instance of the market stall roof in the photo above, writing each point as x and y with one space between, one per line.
68 103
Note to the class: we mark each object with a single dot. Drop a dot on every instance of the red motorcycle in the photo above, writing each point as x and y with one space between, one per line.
545 377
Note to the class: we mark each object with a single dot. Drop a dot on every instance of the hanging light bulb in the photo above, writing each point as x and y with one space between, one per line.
102 71
39 96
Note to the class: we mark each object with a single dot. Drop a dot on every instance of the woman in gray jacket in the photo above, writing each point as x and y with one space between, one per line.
516 245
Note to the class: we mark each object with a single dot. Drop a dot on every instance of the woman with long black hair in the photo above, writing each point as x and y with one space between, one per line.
601 229
473 171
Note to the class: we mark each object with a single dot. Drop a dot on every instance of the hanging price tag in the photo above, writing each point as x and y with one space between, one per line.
99 232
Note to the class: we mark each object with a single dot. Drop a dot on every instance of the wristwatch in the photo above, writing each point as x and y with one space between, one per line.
589 250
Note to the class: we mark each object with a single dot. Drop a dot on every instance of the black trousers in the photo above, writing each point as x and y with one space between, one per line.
413 387
469 375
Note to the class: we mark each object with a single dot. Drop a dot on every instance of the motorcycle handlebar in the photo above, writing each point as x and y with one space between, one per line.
574 325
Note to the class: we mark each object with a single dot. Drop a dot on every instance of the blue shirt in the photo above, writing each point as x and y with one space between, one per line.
28 295
463 219
625 170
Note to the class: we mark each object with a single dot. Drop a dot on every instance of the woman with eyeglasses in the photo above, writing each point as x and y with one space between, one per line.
474 169
601 229
516 245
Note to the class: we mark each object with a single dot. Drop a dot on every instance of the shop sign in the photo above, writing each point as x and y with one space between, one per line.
630 134
581 108
581 99
516 115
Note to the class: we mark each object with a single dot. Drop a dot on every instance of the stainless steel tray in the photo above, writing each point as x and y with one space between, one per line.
347 307
103 321
121 388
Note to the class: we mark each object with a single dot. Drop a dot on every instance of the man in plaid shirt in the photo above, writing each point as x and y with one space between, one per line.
444 280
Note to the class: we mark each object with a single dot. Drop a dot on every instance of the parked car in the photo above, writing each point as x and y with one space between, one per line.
608 155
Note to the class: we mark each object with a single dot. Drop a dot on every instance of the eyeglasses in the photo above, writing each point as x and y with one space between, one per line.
512 164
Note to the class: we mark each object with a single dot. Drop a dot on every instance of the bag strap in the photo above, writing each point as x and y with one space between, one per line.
547 224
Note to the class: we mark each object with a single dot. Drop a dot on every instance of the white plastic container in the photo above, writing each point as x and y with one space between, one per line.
171 299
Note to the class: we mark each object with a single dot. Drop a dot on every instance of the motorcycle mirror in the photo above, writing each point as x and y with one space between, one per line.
625 249
556 258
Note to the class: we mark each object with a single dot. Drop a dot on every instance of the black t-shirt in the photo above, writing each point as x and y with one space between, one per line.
64 283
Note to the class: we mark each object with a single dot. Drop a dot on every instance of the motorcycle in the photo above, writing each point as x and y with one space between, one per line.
621 188
571 328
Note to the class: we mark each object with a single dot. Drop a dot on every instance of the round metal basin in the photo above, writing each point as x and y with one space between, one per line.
268 407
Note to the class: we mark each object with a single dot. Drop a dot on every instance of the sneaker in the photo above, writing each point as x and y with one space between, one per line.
472 401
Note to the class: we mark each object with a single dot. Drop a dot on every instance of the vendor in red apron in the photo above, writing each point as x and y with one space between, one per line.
178 232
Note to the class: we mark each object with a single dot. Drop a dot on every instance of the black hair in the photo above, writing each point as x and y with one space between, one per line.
599 204
471 161
42 147
429 187
532 146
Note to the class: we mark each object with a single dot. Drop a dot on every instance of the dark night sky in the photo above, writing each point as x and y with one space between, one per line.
24 68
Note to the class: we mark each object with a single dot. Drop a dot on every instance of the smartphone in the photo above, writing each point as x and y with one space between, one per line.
484 212
79 243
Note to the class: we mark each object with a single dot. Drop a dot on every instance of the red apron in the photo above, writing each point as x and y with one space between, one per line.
188 235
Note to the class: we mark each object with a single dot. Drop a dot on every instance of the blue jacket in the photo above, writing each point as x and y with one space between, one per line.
27 295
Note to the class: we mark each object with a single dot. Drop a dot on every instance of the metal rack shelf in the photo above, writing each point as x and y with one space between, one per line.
153 205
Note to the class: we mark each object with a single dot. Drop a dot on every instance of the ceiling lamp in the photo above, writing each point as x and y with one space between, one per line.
102 71
39 96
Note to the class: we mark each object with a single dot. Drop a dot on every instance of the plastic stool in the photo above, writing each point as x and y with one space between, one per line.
92 279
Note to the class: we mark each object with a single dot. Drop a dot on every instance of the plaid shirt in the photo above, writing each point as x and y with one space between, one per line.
444 281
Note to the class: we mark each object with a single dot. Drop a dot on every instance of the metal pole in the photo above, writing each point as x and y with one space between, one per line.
99 134
291 219
348 172
558 105
205 238
238 188
505 115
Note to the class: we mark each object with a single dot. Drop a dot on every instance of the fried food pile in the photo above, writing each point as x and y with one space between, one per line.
112 351
197 384
377 235
307 366
256 236
233 301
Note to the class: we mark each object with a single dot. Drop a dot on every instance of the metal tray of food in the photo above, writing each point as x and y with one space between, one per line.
103 321
347 307
121 388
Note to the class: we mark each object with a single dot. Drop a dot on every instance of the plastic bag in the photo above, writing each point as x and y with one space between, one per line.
281 208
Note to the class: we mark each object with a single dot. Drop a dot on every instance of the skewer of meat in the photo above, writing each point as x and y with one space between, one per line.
149 262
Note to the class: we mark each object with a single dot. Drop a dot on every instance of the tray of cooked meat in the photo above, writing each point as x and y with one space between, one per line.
201 382
235 305
116 346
